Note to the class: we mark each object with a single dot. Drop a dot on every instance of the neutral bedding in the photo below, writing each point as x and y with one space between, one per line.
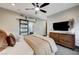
26 45
41 45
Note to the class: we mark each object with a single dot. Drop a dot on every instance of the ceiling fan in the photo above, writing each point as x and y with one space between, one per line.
38 7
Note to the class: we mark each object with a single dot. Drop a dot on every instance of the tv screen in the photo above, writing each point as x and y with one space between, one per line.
61 26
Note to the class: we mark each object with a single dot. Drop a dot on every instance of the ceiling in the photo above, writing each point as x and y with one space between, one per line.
52 8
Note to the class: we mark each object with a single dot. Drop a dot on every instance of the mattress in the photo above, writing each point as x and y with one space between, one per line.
21 48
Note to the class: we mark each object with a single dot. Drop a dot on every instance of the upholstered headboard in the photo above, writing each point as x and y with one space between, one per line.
3 36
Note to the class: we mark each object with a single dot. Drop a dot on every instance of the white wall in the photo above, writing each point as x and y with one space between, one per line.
9 21
40 27
66 15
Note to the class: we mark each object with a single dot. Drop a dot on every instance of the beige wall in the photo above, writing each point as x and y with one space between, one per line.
9 20
66 15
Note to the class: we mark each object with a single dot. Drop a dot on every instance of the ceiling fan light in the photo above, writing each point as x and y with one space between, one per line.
37 9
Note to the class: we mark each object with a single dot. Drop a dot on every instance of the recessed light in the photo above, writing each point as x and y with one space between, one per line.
13 4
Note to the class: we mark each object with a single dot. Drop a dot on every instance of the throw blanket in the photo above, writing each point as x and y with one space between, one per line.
41 45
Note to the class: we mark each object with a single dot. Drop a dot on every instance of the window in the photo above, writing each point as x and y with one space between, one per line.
30 26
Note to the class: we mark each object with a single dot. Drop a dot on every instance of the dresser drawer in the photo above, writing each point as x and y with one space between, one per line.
66 38
68 44
54 36
64 42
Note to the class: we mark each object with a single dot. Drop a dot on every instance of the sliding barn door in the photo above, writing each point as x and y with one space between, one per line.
23 27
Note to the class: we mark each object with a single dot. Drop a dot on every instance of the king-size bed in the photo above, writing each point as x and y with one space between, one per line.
26 45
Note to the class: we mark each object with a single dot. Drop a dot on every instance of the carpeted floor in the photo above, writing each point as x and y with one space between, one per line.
66 51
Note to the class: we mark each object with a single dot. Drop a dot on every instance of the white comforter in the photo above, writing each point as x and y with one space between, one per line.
21 48
51 42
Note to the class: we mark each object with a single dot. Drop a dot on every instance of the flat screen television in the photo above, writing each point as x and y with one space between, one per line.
61 26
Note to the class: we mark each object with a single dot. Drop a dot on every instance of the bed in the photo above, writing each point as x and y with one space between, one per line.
41 45
28 45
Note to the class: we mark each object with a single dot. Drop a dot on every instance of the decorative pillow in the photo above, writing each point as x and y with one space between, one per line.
11 40
3 36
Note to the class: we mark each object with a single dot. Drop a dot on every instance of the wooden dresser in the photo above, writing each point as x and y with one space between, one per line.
64 39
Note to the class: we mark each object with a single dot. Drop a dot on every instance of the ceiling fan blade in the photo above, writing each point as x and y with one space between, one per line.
33 4
43 11
29 8
45 4
37 5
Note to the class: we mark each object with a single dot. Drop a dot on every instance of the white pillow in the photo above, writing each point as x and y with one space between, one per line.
17 37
